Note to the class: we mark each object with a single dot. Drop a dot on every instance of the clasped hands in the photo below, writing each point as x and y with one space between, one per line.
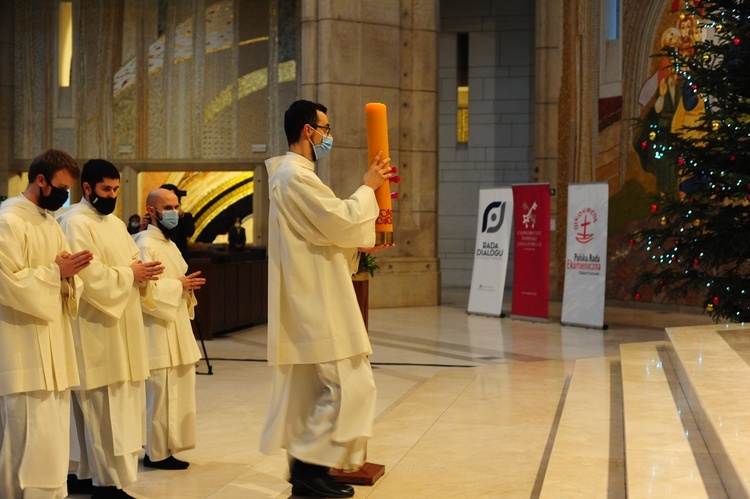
146 271
71 264
192 282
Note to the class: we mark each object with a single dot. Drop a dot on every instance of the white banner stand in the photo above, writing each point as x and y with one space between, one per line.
491 252
586 255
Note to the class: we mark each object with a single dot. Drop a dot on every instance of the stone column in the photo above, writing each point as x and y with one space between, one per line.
548 61
7 89
382 51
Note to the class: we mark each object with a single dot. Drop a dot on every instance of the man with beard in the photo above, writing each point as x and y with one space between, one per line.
323 398
185 225
39 292
173 352
109 406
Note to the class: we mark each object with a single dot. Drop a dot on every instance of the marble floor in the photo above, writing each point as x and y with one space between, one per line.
467 405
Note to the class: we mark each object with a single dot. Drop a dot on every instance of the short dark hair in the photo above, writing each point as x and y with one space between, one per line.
171 187
299 114
50 162
96 170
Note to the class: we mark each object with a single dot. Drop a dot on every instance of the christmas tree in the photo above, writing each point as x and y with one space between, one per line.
699 234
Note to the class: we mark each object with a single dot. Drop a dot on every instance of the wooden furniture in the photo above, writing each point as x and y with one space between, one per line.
370 472
361 283
235 294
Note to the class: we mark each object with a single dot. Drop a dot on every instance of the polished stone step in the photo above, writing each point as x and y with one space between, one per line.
665 453
586 458
710 362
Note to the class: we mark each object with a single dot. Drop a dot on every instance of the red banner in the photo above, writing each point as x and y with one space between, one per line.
531 221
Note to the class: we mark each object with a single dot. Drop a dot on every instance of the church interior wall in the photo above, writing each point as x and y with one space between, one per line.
172 88
211 110
499 151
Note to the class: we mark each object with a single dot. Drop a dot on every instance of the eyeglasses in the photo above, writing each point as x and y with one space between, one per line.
327 128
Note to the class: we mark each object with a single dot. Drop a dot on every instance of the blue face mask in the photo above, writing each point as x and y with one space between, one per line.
323 148
169 218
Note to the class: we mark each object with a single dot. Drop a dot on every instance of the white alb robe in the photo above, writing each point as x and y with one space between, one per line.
173 351
110 342
324 396
313 236
37 353
109 333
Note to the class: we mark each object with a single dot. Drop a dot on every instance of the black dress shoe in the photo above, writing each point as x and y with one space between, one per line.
78 486
313 480
319 487
170 463
110 493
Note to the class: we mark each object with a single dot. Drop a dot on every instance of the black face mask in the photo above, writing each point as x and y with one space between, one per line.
105 206
55 200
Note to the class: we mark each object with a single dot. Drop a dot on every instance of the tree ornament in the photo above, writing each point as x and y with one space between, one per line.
637 296
632 241
701 205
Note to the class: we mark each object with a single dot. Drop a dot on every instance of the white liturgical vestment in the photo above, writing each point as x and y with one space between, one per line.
313 313
323 398
173 351
37 353
36 343
167 316
111 349
109 333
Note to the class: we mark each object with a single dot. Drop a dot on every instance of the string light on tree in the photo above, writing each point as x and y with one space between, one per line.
698 237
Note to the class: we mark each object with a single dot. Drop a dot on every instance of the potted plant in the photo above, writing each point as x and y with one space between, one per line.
361 281
367 266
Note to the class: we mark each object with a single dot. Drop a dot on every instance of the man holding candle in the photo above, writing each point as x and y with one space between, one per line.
323 399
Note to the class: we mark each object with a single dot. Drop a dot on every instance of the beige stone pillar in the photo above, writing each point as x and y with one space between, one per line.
382 51
548 71
6 94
